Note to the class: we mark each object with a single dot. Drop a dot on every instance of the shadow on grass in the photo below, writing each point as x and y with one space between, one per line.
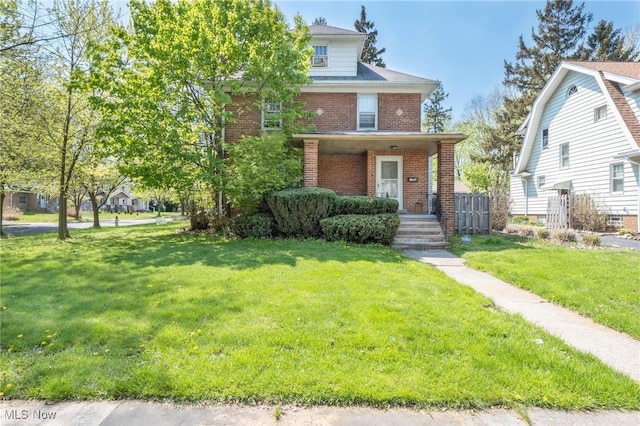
491 243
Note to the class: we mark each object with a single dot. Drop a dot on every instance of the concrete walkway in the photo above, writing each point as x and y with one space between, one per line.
617 350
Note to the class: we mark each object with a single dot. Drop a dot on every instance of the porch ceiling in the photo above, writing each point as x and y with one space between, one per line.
361 142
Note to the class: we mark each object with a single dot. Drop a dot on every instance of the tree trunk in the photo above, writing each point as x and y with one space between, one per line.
2 195
94 208
63 231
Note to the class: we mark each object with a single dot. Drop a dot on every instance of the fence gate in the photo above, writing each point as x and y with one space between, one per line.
472 213
558 212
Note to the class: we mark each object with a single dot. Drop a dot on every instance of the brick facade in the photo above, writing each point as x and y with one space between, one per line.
345 174
399 112
31 202
446 181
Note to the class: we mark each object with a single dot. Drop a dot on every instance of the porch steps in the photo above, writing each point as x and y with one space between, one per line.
420 232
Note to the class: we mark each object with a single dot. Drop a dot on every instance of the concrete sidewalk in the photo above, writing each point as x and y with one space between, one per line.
117 413
618 350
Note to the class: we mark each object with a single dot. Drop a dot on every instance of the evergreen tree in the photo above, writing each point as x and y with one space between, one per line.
435 115
607 44
370 53
319 21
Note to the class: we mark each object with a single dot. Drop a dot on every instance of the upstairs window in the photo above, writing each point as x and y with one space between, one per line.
271 115
600 113
545 138
320 58
617 177
367 112
541 181
572 91
564 155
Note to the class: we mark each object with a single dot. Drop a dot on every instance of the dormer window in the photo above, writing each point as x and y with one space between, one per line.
320 58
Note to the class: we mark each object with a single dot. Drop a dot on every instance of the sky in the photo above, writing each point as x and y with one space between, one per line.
462 44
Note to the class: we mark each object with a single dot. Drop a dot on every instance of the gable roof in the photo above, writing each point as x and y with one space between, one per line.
316 30
612 78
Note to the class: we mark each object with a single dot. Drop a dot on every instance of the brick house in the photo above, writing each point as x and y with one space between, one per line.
367 138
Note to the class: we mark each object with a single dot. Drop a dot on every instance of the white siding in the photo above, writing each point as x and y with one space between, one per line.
343 59
592 148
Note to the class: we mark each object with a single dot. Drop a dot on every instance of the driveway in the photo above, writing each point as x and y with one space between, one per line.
36 228
617 242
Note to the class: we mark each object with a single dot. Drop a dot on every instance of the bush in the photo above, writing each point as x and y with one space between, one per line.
511 229
526 231
298 211
257 225
625 231
543 234
500 205
520 220
355 204
586 214
362 229
565 235
591 240
11 213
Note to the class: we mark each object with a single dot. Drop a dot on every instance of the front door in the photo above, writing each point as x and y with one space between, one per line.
389 178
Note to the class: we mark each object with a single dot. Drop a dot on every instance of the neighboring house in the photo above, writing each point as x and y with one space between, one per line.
25 201
367 120
122 201
582 136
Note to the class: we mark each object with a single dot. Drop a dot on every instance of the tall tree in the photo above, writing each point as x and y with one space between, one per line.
171 83
319 21
436 116
71 125
370 53
608 44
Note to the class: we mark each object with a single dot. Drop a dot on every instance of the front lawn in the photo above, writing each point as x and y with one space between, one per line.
147 313
87 216
602 284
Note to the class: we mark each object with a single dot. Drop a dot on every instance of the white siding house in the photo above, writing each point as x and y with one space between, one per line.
582 136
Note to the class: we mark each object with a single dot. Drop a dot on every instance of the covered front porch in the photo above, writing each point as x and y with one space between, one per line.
383 164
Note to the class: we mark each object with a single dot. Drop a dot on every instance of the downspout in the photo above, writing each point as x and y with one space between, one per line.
526 195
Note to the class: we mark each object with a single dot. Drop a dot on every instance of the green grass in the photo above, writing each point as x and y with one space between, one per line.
602 284
147 313
39 217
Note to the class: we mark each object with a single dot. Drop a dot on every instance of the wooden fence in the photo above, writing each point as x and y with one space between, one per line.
558 212
472 213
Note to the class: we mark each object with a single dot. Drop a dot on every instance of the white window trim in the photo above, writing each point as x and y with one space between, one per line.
597 116
265 103
562 166
325 58
375 124
541 181
542 139
612 178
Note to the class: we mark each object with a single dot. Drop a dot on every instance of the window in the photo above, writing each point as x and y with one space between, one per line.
271 115
600 113
23 199
617 177
564 155
320 58
614 220
541 181
367 112
545 138
572 90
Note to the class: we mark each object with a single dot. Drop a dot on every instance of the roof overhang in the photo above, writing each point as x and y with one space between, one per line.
357 86
631 156
361 142
566 184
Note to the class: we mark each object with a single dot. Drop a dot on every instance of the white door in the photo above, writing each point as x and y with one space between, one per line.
389 178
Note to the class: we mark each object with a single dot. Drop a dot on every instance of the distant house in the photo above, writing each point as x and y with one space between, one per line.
25 201
122 201
367 119
583 137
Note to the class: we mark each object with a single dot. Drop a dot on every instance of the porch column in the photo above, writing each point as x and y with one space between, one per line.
310 163
446 179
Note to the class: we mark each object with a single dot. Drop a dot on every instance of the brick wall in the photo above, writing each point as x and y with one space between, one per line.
332 111
399 112
446 183
311 164
345 174
248 119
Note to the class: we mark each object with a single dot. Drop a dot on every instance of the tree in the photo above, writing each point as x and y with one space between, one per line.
370 53
70 125
319 21
436 116
608 44
170 84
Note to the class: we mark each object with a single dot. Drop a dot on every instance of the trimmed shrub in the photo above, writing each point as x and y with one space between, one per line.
361 229
298 211
356 204
257 225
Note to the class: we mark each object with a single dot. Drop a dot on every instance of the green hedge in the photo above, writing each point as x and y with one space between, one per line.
298 211
257 225
362 229
356 204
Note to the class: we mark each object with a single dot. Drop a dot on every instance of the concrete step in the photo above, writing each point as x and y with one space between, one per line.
420 232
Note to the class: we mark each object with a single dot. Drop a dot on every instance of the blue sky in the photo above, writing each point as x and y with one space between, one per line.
463 44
